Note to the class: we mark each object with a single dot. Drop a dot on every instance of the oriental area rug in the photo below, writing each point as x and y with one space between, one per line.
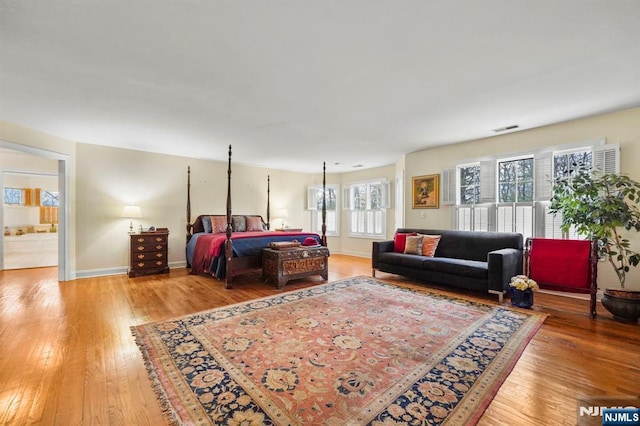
351 352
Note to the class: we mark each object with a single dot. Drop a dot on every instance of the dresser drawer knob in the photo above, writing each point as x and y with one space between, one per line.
159 263
141 240
158 247
141 256
140 264
159 255
158 239
140 248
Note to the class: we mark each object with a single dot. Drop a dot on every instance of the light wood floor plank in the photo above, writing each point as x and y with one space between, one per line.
67 356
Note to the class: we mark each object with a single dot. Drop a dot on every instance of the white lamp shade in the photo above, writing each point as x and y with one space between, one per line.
132 212
281 214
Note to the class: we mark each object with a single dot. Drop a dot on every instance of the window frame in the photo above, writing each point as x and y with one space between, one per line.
370 218
316 218
604 157
20 193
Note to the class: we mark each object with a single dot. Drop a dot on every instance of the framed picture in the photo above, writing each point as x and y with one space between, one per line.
426 192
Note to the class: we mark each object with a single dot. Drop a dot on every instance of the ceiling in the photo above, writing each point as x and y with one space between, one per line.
293 83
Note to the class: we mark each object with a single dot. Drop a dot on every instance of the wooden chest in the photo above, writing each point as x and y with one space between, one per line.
149 252
284 265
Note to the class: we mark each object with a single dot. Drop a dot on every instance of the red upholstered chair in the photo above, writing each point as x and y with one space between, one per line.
563 265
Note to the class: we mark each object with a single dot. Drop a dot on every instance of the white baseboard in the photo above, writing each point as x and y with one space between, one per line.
351 253
120 270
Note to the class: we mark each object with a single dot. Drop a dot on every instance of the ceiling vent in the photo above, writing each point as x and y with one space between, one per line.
504 129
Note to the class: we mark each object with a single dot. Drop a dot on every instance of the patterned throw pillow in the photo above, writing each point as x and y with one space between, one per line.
399 241
429 244
254 223
206 224
239 223
413 244
218 224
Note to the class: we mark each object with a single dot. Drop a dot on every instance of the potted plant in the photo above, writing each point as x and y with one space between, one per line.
600 206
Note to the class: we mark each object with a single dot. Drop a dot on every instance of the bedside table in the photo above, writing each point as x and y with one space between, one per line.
149 251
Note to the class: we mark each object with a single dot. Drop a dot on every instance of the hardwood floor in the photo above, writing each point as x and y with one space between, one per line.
67 356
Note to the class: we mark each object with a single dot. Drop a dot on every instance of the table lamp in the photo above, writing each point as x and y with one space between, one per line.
282 214
131 212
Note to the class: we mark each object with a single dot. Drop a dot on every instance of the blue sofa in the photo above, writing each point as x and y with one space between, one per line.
478 261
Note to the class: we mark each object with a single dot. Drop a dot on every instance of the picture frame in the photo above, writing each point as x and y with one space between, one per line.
426 192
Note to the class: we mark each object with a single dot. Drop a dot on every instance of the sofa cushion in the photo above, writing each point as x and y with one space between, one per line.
400 240
413 245
400 259
429 244
460 267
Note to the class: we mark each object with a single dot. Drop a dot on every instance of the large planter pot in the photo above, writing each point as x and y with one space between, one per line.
624 305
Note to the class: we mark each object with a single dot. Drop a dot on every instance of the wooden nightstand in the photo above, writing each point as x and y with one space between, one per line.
149 251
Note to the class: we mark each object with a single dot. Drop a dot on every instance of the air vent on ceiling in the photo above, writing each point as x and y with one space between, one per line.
504 129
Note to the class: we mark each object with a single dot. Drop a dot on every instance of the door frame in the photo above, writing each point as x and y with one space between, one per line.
64 241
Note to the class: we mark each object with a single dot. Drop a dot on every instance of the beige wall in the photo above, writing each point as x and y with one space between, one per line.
103 180
621 127
110 178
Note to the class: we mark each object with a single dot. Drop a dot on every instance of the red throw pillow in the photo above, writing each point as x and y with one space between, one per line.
400 240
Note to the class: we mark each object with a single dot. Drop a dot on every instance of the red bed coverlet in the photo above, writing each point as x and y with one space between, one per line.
209 246
561 263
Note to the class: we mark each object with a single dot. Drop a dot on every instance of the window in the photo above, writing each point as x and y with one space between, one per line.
469 184
314 204
49 198
515 180
13 196
471 215
565 164
367 203
513 194
49 202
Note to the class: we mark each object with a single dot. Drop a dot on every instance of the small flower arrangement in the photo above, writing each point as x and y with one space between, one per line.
522 282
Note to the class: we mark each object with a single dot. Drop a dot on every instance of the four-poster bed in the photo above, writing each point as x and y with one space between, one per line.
225 246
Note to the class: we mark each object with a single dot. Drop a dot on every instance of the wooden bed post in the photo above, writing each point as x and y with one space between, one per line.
324 203
268 207
228 248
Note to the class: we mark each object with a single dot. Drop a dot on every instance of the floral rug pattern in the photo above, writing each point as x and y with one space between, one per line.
352 352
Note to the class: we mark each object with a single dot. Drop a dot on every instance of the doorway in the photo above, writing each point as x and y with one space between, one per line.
8 151
30 209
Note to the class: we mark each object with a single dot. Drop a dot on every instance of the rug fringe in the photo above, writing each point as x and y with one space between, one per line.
168 412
